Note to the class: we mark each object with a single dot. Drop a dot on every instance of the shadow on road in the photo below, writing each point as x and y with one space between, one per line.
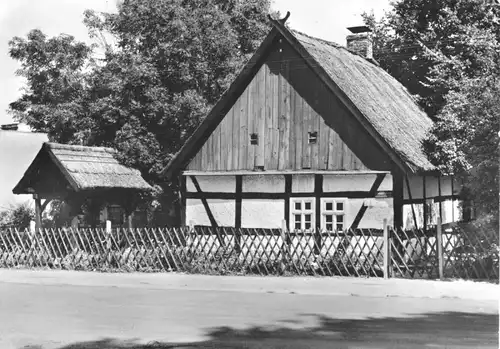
441 330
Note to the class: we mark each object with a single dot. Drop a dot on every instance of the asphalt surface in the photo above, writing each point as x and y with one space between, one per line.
63 314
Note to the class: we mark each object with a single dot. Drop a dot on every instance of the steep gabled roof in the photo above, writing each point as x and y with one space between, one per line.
379 102
85 168
380 98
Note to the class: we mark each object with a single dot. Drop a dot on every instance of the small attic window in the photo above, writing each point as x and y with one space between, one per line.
254 139
313 137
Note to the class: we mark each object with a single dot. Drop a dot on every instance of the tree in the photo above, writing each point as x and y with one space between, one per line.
447 53
54 98
162 65
17 216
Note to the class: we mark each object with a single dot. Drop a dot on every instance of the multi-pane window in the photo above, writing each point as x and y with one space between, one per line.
302 213
333 214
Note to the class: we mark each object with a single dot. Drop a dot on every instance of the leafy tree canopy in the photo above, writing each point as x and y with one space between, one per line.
160 67
447 52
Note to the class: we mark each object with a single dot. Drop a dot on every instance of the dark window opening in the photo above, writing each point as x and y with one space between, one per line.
313 137
254 139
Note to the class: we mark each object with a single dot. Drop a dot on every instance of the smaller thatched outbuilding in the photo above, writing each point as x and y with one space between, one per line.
75 174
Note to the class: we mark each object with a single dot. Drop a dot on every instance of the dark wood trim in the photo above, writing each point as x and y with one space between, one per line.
371 193
318 192
182 198
453 203
411 202
204 201
284 196
424 198
398 197
45 203
38 212
440 200
287 196
238 198
281 173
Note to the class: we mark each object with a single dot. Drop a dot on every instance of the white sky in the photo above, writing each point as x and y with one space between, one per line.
327 19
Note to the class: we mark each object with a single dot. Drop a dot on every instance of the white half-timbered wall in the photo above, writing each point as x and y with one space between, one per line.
213 198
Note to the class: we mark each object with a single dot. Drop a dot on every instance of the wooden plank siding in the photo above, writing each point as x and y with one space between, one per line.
283 103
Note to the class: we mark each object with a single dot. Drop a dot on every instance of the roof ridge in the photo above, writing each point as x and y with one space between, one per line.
84 148
335 45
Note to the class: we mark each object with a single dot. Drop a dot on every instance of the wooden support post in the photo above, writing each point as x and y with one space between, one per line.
424 196
318 190
182 199
452 199
38 212
440 199
237 218
439 244
398 197
387 250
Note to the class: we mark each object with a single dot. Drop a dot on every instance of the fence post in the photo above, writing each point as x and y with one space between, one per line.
108 240
284 246
387 250
439 244
32 227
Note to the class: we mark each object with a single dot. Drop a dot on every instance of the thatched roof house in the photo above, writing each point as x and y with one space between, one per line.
383 106
82 168
311 134
76 173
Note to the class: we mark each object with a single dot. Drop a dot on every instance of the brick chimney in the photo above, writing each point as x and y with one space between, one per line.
360 41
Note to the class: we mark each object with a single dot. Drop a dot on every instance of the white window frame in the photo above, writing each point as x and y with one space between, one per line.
302 212
334 213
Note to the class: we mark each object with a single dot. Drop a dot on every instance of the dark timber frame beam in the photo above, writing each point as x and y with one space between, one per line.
287 196
373 191
398 197
204 201
238 199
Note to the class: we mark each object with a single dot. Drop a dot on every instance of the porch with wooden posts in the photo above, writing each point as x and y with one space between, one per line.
77 176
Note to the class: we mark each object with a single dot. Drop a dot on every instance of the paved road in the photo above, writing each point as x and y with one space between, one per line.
59 314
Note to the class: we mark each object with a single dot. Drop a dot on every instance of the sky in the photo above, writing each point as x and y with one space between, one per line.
326 19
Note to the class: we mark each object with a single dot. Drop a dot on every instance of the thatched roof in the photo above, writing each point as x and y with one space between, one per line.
382 100
84 168
383 106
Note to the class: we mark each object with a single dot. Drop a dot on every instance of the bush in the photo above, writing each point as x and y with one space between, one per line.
17 216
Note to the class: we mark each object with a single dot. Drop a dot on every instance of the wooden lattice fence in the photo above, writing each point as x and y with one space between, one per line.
360 252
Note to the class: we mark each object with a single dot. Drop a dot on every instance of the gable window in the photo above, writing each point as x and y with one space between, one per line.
254 139
313 137
302 213
333 214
